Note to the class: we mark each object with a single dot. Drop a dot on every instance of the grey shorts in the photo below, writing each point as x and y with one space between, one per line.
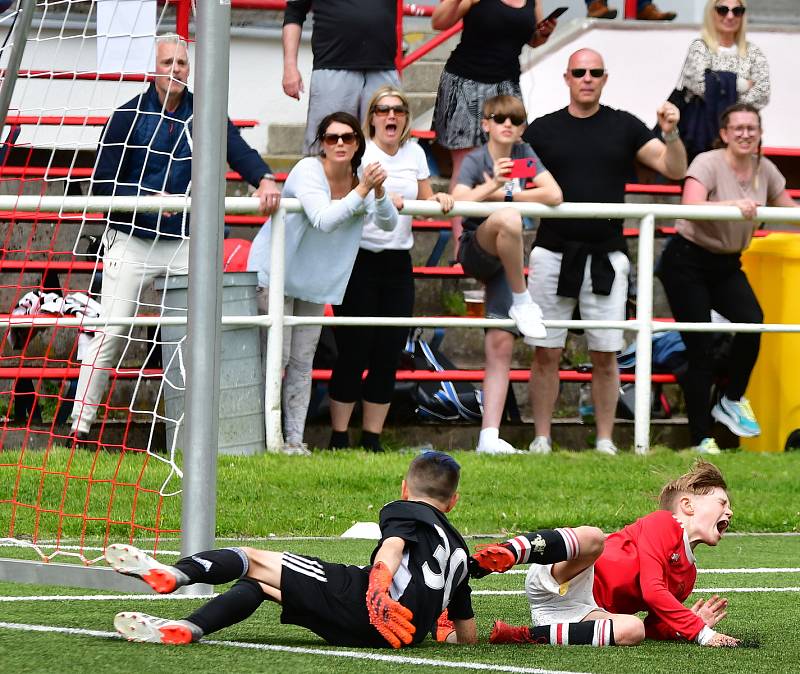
342 90
459 109
489 270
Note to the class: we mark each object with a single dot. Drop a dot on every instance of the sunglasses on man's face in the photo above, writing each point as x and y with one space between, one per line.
501 118
334 138
383 110
580 72
723 11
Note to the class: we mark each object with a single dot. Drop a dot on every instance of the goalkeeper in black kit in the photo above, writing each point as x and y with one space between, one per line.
418 569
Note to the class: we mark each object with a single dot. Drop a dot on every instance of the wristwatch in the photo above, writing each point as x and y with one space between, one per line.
268 176
672 136
509 191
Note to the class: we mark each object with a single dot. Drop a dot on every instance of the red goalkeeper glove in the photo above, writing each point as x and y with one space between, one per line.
389 617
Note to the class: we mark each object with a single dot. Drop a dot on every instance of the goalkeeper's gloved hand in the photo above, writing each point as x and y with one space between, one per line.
389 617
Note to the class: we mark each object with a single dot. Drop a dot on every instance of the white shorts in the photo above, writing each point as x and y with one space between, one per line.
545 266
552 603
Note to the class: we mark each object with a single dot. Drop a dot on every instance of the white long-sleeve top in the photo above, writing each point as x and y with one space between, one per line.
322 240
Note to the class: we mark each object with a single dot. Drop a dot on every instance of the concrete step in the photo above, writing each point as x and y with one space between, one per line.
421 103
415 39
784 12
285 139
283 162
422 77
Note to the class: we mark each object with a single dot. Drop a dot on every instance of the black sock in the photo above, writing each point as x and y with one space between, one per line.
339 440
587 633
214 566
230 607
371 441
546 546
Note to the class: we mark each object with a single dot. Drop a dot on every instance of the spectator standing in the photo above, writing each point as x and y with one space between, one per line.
484 64
590 150
354 44
723 47
321 246
492 250
146 149
701 270
645 11
382 282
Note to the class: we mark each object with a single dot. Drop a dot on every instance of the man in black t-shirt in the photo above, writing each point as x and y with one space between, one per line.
418 570
590 149
354 43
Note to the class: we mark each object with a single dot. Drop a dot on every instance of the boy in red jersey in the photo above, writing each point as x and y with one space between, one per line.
646 566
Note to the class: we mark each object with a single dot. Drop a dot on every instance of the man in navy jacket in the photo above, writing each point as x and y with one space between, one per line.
146 149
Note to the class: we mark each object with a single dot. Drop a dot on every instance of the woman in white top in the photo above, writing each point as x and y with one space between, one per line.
338 199
723 46
701 270
382 283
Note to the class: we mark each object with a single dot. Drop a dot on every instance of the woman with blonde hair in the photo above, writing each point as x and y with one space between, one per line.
382 283
723 47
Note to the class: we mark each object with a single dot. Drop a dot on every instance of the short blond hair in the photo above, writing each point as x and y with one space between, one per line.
709 32
383 92
702 479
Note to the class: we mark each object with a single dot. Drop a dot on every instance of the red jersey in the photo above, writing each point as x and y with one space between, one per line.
649 566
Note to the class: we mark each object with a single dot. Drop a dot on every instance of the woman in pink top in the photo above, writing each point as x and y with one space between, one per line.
701 269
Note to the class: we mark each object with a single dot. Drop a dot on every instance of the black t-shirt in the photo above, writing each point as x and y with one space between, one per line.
433 573
349 34
491 41
591 159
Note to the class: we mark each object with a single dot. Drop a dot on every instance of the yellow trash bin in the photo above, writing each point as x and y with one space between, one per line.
772 265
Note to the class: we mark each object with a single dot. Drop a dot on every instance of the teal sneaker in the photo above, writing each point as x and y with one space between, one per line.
738 416
708 446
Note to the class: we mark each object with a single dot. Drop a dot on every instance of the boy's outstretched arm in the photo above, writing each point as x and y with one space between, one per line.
466 631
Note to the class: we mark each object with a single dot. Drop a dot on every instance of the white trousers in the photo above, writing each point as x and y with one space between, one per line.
129 263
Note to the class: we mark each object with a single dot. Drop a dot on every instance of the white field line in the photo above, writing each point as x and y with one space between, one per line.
714 590
763 569
328 653
178 597
468 537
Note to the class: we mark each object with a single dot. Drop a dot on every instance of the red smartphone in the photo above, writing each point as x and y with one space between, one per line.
523 168
558 11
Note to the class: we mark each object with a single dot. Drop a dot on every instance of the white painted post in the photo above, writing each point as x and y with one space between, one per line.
273 384
644 336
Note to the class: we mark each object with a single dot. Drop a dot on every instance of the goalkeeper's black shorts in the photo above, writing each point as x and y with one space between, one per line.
329 599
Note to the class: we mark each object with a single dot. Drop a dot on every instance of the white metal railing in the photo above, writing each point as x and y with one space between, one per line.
643 325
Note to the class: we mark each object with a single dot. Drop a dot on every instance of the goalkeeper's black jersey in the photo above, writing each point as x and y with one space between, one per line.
433 574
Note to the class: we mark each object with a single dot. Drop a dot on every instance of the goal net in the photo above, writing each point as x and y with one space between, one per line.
88 449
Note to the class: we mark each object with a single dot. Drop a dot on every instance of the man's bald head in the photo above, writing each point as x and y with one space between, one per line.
586 76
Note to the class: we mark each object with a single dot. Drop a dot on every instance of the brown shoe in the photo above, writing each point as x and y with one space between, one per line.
651 13
598 9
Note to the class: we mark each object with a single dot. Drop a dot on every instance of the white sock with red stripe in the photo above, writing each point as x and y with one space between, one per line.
588 633
546 546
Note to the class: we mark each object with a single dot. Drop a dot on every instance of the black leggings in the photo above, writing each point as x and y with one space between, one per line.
381 284
697 281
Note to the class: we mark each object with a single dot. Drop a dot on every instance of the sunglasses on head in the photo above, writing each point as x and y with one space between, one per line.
594 72
722 10
500 118
334 138
383 110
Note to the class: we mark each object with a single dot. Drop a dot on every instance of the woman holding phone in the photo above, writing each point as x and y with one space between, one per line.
484 64
338 197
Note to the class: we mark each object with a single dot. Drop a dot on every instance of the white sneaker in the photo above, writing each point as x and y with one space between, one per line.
606 446
145 628
708 446
499 446
130 561
540 445
528 318
295 449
